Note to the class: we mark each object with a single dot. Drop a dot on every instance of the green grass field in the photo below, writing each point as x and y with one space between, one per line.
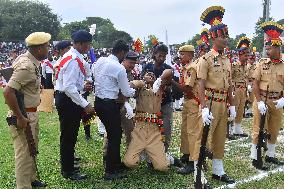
237 162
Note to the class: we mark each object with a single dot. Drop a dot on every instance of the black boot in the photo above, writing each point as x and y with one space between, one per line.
273 160
185 158
187 169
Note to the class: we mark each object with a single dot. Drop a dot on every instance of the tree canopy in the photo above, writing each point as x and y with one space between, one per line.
20 18
105 34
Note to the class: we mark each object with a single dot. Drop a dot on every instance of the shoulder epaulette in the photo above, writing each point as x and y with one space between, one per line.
207 55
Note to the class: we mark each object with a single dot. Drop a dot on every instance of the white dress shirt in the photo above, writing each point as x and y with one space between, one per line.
110 77
45 68
71 79
88 72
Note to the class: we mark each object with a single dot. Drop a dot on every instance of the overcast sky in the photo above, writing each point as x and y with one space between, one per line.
180 17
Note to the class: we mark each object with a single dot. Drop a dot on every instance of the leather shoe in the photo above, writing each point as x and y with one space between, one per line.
38 184
273 160
241 135
177 162
232 137
122 168
254 163
114 176
74 175
184 158
224 178
187 169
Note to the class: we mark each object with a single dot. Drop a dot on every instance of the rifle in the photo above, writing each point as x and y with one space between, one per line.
262 137
204 152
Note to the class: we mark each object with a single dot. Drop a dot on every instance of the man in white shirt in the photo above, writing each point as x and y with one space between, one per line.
61 47
69 103
110 77
47 72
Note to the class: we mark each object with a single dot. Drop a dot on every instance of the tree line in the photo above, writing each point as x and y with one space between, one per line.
19 18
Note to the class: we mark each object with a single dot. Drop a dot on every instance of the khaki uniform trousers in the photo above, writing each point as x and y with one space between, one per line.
217 133
146 137
272 122
127 125
239 103
24 165
251 97
190 126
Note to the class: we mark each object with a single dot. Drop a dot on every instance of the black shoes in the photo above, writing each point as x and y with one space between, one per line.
255 164
75 175
232 137
187 169
122 168
241 135
267 159
38 184
224 178
184 158
177 162
273 160
114 176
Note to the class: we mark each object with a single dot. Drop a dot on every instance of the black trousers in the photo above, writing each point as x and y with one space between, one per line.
48 81
70 115
109 113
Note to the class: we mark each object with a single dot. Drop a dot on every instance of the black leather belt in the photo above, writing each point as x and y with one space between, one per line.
105 99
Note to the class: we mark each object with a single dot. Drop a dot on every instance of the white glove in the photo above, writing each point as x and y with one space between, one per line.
261 107
233 113
206 116
157 84
129 111
249 88
279 103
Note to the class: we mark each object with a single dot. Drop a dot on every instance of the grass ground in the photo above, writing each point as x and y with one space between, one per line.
237 162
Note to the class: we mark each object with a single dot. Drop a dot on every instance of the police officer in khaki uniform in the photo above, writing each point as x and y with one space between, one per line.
26 79
239 79
214 75
127 123
203 45
193 117
250 70
189 85
269 73
148 131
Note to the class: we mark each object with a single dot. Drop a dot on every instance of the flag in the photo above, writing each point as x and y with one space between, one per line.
93 57
169 56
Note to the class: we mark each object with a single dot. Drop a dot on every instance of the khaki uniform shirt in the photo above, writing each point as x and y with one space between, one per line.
26 79
189 74
271 74
239 74
250 70
215 69
147 100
